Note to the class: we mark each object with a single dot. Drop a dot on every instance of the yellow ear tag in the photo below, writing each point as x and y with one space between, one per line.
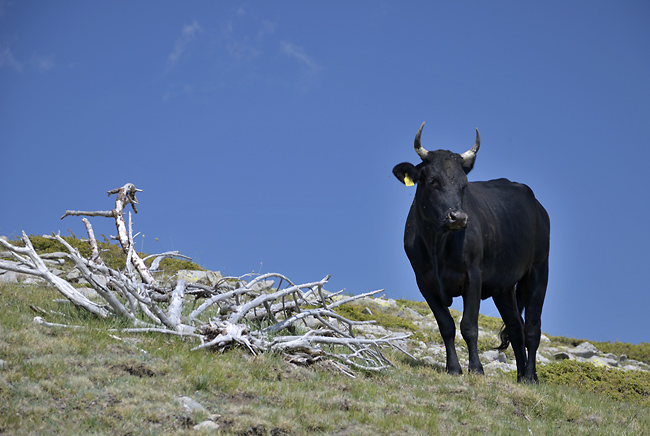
408 181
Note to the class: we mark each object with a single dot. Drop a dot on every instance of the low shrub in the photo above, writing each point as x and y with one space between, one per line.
616 384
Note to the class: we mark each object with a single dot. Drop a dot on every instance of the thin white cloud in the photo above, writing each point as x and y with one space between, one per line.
239 47
7 60
297 53
268 28
43 63
188 34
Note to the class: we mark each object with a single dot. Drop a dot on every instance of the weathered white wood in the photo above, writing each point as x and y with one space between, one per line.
248 287
176 303
243 309
105 213
157 258
94 249
36 267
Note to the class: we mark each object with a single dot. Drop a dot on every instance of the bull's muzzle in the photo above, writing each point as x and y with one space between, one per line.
456 220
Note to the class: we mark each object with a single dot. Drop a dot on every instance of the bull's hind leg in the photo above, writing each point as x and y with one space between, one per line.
537 281
506 302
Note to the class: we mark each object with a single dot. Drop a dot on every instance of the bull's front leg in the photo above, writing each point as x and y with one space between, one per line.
446 326
469 323
448 332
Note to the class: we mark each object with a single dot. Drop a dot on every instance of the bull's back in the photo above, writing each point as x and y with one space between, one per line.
514 229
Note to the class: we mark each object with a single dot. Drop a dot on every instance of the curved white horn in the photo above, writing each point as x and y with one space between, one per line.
421 151
471 153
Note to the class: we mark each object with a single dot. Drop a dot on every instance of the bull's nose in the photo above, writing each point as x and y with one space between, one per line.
457 220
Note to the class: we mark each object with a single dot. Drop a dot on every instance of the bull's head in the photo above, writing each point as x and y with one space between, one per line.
441 181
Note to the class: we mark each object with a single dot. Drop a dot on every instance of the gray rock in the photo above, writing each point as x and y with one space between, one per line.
563 356
429 360
631 368
494 356
409 313
501 366
73 275
14 277
263 285
32 280
89 293
206 425
208 277
3 364
437 350
190 405
637 365
602 361
487 335
102 280
56 271
9 277
384 302
585 350
373 329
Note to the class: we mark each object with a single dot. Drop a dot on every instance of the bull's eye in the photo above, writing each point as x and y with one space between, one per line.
433 183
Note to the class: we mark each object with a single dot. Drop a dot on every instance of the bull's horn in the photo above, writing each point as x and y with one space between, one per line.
471 153
421 151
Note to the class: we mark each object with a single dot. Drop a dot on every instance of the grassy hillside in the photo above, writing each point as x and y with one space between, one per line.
63 381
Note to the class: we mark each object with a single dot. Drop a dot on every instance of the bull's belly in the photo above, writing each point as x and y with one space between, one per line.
454 283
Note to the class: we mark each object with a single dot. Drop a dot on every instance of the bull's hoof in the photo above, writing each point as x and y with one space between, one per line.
529 379
478 370
454 371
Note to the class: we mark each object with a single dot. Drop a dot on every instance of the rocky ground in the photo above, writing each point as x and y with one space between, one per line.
434 353
429 353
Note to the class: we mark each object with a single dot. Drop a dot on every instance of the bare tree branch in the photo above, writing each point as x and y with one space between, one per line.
248 311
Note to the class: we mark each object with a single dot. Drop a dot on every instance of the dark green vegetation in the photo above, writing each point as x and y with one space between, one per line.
111 253
90 381
618 385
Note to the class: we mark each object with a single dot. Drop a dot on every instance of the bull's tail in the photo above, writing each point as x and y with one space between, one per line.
505 340
503 334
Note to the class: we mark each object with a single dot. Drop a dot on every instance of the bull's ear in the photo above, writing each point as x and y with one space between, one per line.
406 173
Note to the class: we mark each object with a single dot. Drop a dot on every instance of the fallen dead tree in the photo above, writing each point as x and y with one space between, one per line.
298 321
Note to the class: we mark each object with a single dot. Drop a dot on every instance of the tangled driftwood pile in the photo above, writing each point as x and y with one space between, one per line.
296 320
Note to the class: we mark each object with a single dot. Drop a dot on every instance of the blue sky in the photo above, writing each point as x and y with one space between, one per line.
264 133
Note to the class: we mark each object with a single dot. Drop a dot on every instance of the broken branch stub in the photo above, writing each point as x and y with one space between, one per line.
125 196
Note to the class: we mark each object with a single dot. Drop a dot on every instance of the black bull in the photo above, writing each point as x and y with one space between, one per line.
477 240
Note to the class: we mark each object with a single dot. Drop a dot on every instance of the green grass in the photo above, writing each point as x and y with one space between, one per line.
386 319
58 381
